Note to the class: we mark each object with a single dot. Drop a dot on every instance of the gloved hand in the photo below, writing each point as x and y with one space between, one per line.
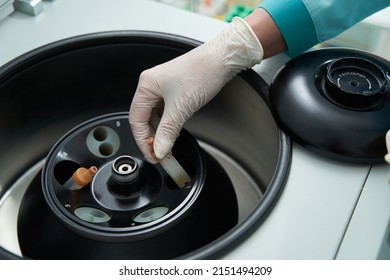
169 94
387 156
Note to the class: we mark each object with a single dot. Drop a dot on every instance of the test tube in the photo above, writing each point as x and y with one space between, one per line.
80 178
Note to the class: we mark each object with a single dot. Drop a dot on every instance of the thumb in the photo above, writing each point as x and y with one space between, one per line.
167 132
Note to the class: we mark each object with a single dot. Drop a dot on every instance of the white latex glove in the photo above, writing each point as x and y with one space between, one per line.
169 94
387 156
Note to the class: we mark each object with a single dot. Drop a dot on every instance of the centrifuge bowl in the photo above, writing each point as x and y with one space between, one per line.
50 90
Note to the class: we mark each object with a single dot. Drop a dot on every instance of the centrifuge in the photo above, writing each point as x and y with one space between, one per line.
266 183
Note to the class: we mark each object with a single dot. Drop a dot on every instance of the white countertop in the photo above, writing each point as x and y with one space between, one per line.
60 19
325 204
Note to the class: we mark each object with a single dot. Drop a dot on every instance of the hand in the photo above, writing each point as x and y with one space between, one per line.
169 94
387 139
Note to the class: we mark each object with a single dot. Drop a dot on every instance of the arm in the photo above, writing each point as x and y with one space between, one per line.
169 94
305 23
267 32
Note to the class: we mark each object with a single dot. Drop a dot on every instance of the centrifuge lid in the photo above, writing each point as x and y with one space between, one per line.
335 101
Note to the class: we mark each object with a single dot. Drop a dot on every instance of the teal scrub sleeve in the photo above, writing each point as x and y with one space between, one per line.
305 23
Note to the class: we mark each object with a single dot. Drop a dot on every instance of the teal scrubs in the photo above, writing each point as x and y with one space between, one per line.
305 23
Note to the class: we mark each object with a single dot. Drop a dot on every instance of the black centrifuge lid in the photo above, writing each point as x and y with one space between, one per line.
336 102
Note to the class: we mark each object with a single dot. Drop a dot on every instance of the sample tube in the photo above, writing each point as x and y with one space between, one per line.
80 178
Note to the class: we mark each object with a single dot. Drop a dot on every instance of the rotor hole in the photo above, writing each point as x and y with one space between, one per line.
100 134
151 214
103 141
125 168
354 83
64 170
106 149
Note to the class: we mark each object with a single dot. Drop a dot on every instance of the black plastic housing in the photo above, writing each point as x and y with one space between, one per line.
339 123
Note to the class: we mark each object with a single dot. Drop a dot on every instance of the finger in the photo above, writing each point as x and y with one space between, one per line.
168 130
141 112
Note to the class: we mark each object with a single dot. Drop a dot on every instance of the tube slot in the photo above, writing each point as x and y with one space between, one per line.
64 170
92 215
103 141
